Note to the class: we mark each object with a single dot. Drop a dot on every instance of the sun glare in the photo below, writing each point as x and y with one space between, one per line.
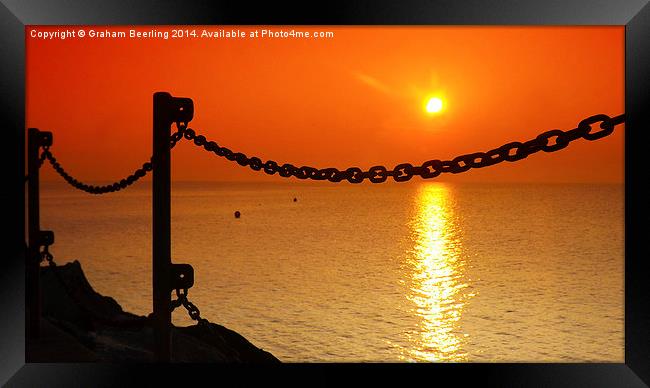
434 105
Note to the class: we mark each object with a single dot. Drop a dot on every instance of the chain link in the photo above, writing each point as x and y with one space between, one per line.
178 135
549 141
47 256
192 310
41 158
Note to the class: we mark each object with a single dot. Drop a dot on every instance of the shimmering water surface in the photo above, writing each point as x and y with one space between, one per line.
396 272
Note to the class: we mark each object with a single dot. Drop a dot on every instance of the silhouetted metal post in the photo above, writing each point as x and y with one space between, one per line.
35 139
166 111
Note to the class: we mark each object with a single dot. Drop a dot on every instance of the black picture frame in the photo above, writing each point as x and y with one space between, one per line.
16 14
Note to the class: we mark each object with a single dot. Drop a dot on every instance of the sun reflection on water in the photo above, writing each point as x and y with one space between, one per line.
438 283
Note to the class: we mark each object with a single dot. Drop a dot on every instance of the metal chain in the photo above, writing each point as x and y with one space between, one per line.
548 141
181 126
41 159
192 310
47 256
118 185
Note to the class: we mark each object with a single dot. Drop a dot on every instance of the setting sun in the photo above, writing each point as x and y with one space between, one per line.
434 105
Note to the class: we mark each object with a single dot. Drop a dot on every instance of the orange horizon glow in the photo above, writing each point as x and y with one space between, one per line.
359 98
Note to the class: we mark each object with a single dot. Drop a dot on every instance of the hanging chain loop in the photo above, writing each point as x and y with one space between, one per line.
117 185
549 141
192 310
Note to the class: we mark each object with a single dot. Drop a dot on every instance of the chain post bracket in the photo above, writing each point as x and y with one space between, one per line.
182 276
44 138
177 109
45 238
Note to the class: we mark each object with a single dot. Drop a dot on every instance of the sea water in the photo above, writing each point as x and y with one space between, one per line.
417 272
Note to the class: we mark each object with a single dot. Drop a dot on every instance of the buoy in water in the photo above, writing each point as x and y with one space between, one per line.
237 214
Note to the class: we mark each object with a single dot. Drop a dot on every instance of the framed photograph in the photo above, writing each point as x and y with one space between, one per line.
377 189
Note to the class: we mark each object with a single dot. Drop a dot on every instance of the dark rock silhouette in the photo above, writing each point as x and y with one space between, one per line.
111 334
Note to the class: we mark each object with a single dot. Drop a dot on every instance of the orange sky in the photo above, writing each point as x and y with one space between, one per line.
354 99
